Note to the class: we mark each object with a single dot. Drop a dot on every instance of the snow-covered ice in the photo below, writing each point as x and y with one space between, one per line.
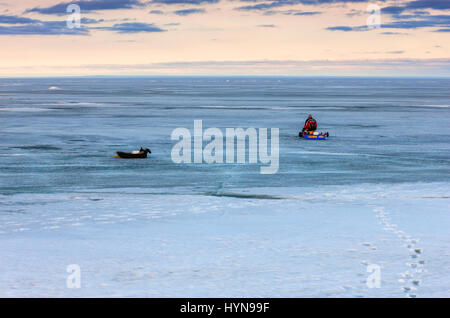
315 245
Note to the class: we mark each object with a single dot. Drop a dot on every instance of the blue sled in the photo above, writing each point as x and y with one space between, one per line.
315 137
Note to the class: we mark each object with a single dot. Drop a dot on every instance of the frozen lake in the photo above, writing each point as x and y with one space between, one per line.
375 193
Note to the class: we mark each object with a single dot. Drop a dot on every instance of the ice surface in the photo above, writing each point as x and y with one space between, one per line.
208 246
376 193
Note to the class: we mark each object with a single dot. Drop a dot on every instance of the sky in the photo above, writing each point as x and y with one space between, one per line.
225 37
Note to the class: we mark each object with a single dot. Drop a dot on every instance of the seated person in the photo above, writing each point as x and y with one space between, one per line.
310 125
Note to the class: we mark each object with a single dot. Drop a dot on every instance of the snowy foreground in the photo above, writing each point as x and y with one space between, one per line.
259 243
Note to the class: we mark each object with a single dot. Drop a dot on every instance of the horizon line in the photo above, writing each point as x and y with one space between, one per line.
219 76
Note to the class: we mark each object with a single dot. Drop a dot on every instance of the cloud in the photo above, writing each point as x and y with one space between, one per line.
90 21
415 9
357 67
25 26
392 10
189 11
12 19
262 6
428 4
85 5
423 22
132 27
307 13
299 64
413 24
271 4
394 33
43 28
410 15
398 11
266 26
354 13
292 12
196 2
156 12
341 28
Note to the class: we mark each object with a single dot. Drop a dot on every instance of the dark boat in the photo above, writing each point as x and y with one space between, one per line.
141 154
